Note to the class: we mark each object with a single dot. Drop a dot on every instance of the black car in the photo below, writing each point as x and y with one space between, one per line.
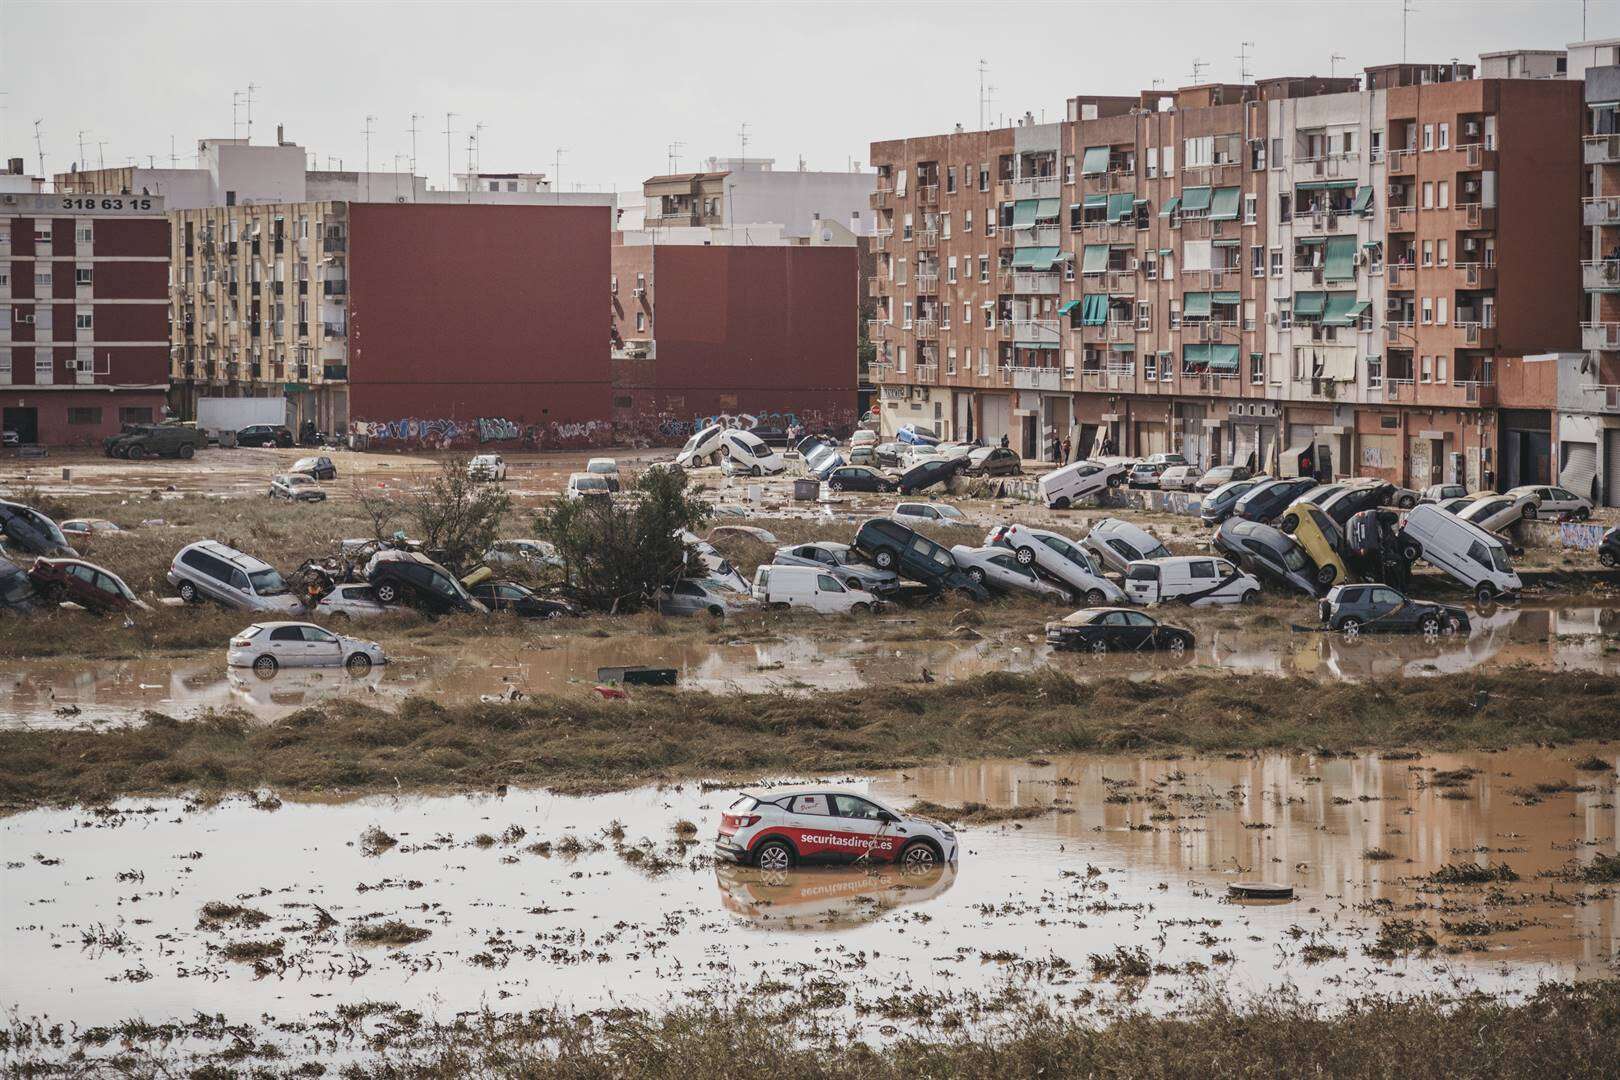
1374 548
1354 498
772 436
16 588
1609 549
889 455
1354 610
32 531
925 474
265 435
321 468
406 577
893 546
525 602
1216 507
993 461
1267 551
1104 630
858 478
1265 501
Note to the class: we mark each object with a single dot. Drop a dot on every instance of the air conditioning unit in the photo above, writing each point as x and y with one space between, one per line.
1135 265
1271 318
1471 127
638 292
25 320
1395 191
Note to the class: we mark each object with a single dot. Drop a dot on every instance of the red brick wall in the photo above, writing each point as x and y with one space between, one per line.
468 312
132 236
128 280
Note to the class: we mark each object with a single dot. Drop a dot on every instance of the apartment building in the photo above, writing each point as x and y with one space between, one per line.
1239 272
377 313
734 193
1589 380
83 314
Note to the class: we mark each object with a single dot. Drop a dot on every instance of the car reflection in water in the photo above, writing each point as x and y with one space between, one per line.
826 898
293 687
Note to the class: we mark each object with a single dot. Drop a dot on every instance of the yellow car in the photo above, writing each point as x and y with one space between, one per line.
1319 535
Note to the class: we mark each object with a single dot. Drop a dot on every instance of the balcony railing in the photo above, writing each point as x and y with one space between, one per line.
926 329
1402 218
1600 335
1478 275
1477 393
1402 161
1473 154
1600 210
927 194
1602 397
1600 274
876 329
1042 331
883 240
1476 334
1036 283
1036 187
335 329
1398 330
880 197
1036 378
1401 275
927 281
927 239
1601 149
926 373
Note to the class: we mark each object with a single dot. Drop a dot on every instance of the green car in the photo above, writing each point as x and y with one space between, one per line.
156 440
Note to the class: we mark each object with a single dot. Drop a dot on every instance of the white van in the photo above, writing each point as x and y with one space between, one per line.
809 587
703 448
1460 548
746 454
1197 580
1062 488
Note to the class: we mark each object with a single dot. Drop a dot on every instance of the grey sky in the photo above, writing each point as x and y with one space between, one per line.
615 83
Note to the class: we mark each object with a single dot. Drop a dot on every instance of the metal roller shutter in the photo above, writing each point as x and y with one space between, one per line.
1580 467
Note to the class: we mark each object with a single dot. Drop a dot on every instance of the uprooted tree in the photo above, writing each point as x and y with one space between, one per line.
454 516
619 553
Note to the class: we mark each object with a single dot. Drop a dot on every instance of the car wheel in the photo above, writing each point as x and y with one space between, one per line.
1581 513
1289 523
554 613
884 559
918 855
774 855
1406 502
1530 512
188 452
265 667
1607 558
135 453
1026 555
1060 503
1178 645
1430 626
1099 647
1325 575
1453 625
387 593
1350 628
188 592
1251 597
860 608
1411 550
1095 598
756 471
835 486
1484 595
976 575
358 664
1115 481
717 611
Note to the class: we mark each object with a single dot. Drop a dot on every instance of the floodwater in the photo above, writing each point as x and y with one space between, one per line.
59 693
534 899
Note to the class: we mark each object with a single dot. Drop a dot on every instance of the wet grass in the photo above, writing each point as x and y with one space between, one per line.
1559 1030
1472 874
590 745
977 813
392 933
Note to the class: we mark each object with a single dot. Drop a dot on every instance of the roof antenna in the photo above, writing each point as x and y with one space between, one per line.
1333 65
1243 60
1198 71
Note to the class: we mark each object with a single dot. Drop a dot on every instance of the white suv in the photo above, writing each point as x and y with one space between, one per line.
777 830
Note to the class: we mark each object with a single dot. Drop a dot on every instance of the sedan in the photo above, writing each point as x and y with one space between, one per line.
1556 500
1221 475
1178 478
321 468
1267 551
86 584
992 461
889 455
264 435
1266 500
1104 630
999 568
935 470
350 602
1352 499
531 554
1493 513
1217 506
77 527
1439 493
268 647
32 531
840 560
1144 475
913 513
296 487
1059 558
859 478
1357 609
521 601
691 596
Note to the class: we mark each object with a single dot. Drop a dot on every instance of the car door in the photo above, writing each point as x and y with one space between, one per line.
810 825
321 648
862 824
1145 631
1011 573
1202 583
108 594
1121 633
1389 608
830 596
287 646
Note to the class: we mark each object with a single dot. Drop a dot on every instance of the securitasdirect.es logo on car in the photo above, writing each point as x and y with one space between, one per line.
837 840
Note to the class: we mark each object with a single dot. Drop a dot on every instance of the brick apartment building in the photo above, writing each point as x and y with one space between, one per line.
84 336
1380 268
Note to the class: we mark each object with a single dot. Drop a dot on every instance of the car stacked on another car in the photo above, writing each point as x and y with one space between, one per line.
893 545
743 453
409 577
1494 513
1063 488
1316 532
930 513
1221 475
29 530
1063 560
210 570
1267 551
1556 501
1000 569
841 561
1105 630
320 468
1119 543
1216 506
1266 501
296 487
930 470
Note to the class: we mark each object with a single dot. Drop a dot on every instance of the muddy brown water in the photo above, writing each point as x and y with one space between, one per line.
57 693
101 913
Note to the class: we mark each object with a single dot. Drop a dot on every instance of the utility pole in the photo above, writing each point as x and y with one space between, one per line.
1406 11
369 121
101 153
449 181
1243 60
1333 65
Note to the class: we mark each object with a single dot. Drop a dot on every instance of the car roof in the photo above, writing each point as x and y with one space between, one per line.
275 625
222 551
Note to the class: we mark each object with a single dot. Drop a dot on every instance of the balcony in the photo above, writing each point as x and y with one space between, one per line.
1477 275
926 329
876 329
1328 221
1402 161
1208 330
1600 274
1398 331
927 281
1601 397
1473 154
337 329
927 194
927 239
332 245
926 373
883 240
1037 331
1035 378
874 287
1601 149
1475 335
1109 377
334 288
1600 210
1600 335
1036 187
1402 218
1401 275
1039 235
881 196
1036 283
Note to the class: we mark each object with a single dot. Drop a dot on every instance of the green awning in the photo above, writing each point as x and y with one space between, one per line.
1049 208
1226 242
1341 259
1095 311
1121 206
1224 204
1096 200
1223 358
1195 354
1364 198
1195 198
1095 162
1308 303
1325 185
1195 305
1095 259
1068 306
1171 206
1226 298
1255 358
1034 258
1124 346
1167 251
1024 212
1341 309
1310 239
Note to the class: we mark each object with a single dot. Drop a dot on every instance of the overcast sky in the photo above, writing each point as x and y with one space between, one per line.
613 84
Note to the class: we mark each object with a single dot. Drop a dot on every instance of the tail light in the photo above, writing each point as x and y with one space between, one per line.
730 823
241 642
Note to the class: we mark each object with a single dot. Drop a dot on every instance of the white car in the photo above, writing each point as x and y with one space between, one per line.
486 467
605 467
839 560
1179 478
350 602
267 647
1061 559
1065 487
1552 500
777 829
913 513
863 437
1119 543
703 448
810 588
296 487
717 570
1493 513
529 553
1195 580
1468 553
584 485
745 454
1000 569
689 596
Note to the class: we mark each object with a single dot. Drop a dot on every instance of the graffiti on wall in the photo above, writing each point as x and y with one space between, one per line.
650 429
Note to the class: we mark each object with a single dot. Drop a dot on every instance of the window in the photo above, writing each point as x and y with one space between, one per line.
1175 314
1248 315
984 361
1426 363
42 281
1167 266
1445 136
1251 209
905 231
1168 160
1428 194
1150 366
950 179
1276 262
950 360
1443 252
1440 367
1428 253
82 233
1428 314
967 314
905 315
1257 368
1440 311
945 226
641 321
984 269
950 268
1285 317
42 317
1375 146
900 359
1428 136
850 806
1144 315
84 320
984 176
44 370
1285 207
1068 169
1257 261
1152 162
1375 372
900 271
83 275
1199 151
811 804
967 222
85 415
42 236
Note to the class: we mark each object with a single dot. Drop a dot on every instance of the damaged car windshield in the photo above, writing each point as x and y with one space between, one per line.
267 582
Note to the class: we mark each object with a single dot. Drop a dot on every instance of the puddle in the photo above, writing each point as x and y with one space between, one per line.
534 900
59 693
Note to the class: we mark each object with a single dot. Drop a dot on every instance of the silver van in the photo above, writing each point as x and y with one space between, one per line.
208 570
1462 549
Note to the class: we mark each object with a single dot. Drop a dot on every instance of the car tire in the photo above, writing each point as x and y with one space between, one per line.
188 593
187 452
1453 626
1115 481
918 856
775 855
1025 555
756 471
1411 550
1289 523
358 664
265 666
1098 647
1607 558
1060 503
1178 646
135 453
1530 512
884 559
835 486
1325 575
860 608
554 613
387 593
1250 598
1095 598
1350 628
975 575
717 611
1406 502
1430 626
1484 595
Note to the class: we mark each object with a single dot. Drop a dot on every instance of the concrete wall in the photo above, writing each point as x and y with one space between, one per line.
255 173
795 198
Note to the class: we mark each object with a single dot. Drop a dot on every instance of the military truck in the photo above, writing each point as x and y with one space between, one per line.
138 441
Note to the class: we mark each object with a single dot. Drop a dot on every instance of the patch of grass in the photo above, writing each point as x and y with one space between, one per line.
217 914
374 841
1594 764
392 933
1378 854
248 952
1397 937
1472 874
973 813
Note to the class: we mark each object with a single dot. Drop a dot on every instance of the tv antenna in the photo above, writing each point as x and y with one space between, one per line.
414 118
370 120
1406 11
674 157
742 139
1198 67
101 153
449 179
1243 60
1333 65
556 170
984 69
251 87
39 145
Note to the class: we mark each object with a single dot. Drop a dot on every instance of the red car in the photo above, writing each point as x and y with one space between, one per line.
86 584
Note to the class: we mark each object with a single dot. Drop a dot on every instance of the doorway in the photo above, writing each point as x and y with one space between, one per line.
25 422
